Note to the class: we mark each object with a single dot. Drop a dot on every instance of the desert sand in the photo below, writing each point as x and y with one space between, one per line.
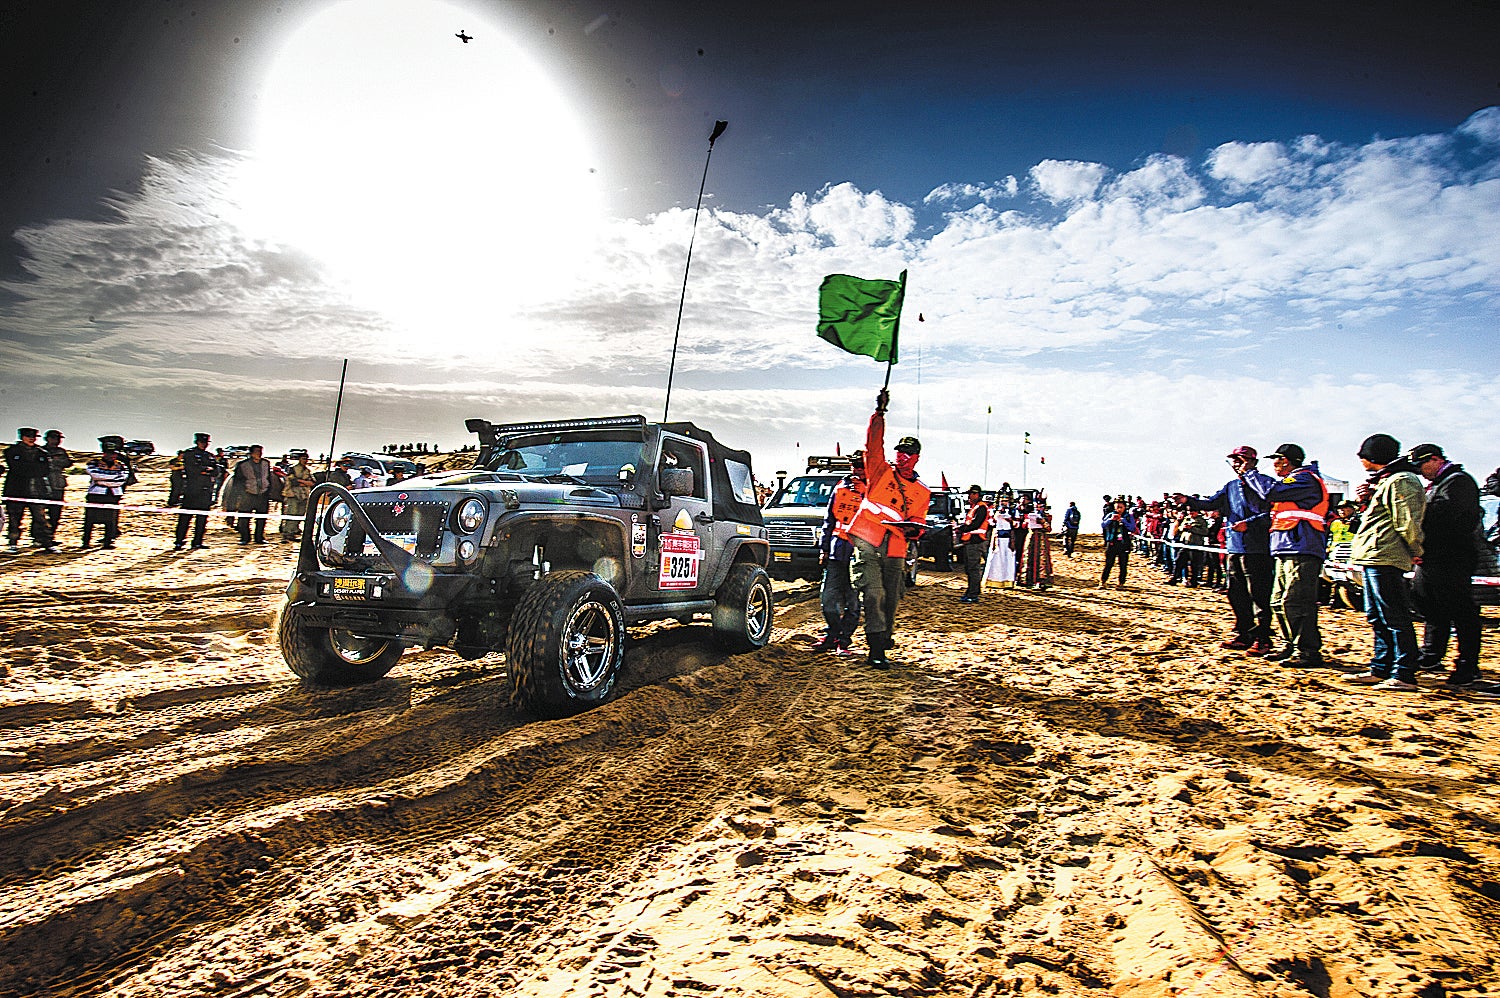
1071 792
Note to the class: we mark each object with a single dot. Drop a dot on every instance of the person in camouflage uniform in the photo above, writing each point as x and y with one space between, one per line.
294 492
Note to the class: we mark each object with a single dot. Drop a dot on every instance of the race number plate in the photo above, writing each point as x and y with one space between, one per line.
350 589
680 556
781 555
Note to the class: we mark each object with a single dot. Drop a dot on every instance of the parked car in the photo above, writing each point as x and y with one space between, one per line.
138 447
940 540
794 525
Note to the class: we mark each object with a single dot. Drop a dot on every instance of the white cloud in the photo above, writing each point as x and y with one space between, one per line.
1064 181
1240 165
1483 126
1099 308
986 193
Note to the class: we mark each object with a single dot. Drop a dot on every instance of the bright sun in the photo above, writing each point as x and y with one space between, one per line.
443 182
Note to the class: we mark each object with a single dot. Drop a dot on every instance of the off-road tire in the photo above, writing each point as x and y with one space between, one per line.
744 609
566 644
310 654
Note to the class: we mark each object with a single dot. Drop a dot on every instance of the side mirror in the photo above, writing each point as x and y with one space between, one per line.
677 481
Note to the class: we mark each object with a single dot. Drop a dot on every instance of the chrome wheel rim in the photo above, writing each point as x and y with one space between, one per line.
356 649
589 644
758 612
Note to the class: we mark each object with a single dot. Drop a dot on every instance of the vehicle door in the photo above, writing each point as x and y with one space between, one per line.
686 534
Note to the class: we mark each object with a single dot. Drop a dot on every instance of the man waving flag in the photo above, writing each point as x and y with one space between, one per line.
862 316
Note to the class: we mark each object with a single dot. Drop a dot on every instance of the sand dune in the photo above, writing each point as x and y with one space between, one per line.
1072 792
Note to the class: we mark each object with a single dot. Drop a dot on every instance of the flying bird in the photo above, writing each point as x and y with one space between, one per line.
461 36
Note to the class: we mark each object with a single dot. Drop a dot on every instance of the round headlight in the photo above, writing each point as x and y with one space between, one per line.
470 515
466 549
338 517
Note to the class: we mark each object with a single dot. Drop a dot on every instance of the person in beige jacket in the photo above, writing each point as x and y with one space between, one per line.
1388 540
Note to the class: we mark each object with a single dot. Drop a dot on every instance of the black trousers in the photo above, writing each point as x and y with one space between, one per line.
1070 538
41 526
1250 578
107 519
254 504
1113 554
1447 604
974 557
199 522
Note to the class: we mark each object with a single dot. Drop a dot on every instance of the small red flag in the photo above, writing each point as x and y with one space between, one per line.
945 481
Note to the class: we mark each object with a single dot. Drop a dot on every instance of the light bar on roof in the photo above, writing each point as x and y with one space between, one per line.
564 425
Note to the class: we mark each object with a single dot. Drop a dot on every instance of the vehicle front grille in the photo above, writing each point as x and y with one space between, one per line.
792 534
422 520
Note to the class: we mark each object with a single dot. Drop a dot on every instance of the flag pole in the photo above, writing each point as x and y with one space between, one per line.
719 127
890 361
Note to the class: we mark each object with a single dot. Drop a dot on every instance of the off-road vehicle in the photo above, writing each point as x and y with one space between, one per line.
561 535
794 519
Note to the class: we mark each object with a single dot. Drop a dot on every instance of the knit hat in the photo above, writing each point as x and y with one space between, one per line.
1380 448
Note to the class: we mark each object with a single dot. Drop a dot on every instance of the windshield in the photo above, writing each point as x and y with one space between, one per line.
806 492
595 459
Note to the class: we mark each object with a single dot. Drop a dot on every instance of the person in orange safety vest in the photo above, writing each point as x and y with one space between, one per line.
974 535
839 601
893 509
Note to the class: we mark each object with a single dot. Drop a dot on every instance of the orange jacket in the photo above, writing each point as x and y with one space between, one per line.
845 504
979 517
888 496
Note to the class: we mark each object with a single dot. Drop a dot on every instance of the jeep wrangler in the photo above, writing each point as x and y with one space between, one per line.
561 535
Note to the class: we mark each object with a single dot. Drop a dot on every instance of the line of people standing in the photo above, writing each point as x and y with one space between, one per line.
1277 535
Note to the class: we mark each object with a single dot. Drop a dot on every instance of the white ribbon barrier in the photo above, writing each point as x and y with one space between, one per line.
154 509
1177 544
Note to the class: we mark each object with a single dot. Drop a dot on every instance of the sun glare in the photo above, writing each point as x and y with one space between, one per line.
443 182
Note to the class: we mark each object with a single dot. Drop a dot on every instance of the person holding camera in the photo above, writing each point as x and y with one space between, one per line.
1247 536
1119 534
1388 542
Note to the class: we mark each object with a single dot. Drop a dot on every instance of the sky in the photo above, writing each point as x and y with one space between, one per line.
1142 233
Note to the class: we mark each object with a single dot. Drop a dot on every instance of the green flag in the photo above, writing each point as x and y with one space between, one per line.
861 316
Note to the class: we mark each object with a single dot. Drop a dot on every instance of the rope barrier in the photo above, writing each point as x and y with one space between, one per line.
154 509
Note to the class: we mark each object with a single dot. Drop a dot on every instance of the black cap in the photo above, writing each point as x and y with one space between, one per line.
54 433
200 438
1380 448
1292 452
1422 452
26 431
974 488
909 445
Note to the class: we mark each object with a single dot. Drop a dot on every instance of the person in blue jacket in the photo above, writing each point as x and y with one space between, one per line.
1072 518
1247 541
1299 543
1119 531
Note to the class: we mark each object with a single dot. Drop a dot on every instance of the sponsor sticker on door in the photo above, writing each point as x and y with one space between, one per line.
680 556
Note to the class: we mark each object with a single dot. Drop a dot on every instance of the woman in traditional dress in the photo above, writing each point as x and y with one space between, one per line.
1038 570
1000 565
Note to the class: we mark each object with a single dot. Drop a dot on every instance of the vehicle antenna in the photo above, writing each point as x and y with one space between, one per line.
328 465
719 127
